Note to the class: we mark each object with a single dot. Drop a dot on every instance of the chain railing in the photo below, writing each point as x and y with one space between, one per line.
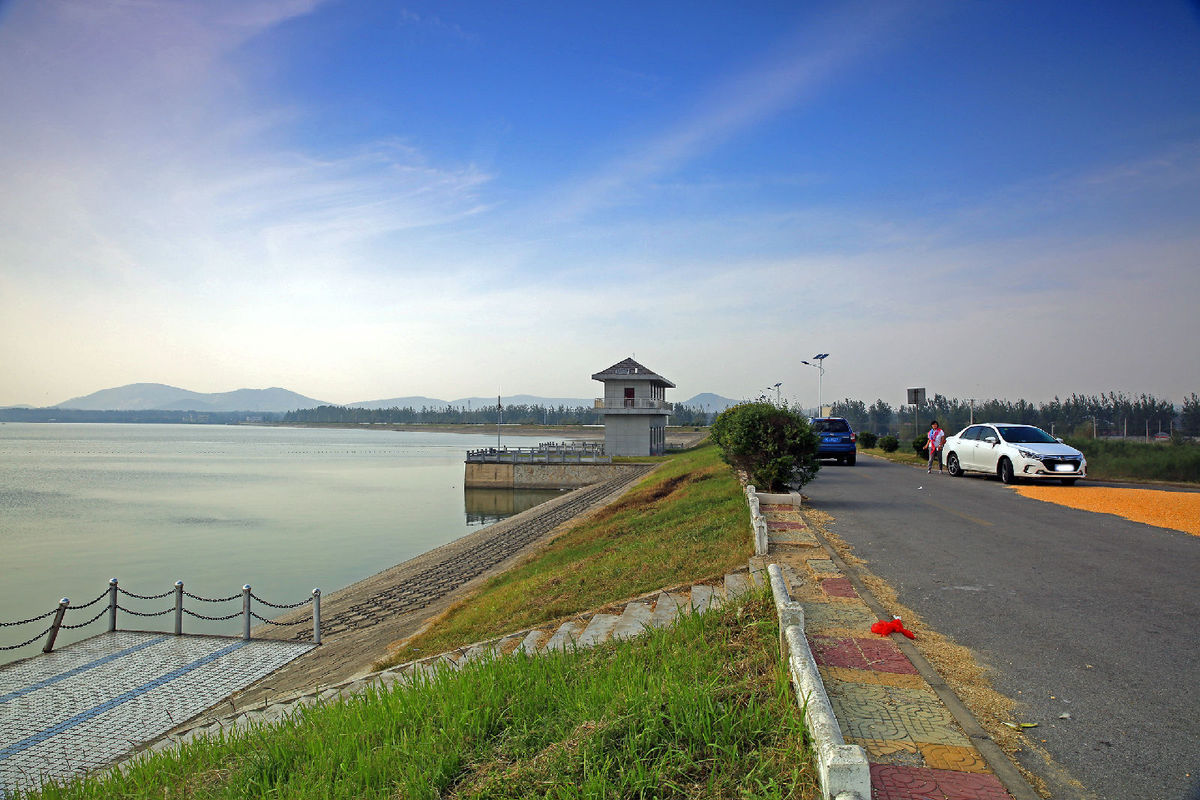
114 591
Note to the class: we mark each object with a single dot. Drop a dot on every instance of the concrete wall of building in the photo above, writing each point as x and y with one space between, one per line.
541 476
627 434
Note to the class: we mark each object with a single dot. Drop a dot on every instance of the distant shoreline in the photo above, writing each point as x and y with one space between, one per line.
559 431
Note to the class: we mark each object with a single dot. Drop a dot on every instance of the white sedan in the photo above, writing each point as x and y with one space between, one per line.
1012 452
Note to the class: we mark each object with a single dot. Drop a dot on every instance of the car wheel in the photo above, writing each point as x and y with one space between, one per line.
851 460
1005 471
1069 481
952 466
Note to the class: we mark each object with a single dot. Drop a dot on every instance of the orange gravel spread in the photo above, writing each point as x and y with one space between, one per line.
1176 510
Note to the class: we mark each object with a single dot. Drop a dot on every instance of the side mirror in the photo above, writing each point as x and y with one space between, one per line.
991 439
1059 440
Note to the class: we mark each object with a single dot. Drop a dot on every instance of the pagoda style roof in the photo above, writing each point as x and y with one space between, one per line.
631 369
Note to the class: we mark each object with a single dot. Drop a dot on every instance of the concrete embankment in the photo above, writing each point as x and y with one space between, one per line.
362 620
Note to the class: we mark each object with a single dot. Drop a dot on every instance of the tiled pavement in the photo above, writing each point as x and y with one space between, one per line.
916 749
90 703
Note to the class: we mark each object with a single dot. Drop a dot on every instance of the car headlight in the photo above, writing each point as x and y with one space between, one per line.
1028 454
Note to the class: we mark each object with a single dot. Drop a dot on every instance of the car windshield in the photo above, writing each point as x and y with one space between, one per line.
1025 434
830 426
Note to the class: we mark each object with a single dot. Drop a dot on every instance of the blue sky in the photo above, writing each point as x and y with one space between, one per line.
358 200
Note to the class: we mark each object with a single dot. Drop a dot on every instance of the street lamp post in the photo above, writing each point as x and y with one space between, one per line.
820 365
778 396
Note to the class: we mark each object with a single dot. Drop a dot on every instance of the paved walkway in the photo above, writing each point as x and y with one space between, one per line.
916 746
90 703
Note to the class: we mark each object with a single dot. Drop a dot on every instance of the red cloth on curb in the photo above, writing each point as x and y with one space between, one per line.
886 628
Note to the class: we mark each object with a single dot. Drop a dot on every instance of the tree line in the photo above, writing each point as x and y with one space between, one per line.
515 414
1111 414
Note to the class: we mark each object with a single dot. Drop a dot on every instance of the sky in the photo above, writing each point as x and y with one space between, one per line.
366 199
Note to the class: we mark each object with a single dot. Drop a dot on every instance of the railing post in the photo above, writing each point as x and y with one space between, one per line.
62 609
246 611
178 608
112 605
316 616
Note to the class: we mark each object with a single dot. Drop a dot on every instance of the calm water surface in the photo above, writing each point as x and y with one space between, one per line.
282 509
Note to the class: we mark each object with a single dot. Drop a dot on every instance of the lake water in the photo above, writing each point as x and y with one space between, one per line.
282 509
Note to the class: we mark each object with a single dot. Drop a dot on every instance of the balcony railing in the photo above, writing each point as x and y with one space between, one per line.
546 453
633 403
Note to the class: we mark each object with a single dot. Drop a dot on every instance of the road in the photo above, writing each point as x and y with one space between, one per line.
1075 613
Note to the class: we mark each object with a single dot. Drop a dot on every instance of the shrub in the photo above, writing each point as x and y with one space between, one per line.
889 444
920 445
773 444
868 440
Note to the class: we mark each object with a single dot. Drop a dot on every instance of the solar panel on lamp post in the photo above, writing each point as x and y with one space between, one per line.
820 365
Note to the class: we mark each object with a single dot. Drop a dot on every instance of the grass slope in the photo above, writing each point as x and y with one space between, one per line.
686 521
700 709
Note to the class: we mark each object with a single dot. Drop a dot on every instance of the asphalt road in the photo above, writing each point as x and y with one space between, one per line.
1075 613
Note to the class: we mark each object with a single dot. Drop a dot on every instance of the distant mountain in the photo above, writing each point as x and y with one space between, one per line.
160 397
710 402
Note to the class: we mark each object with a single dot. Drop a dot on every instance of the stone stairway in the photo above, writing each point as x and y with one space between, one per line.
652 610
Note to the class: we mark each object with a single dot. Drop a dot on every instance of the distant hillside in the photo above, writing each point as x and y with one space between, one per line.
710 402
160 397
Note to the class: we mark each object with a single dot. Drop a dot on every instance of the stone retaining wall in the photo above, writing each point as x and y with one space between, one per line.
543 476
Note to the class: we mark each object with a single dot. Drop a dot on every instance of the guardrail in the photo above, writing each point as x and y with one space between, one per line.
114 591
542 454
602 403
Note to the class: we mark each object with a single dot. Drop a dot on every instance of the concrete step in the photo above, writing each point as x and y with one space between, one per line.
598 630
634 619
736 585
532 642
566 636
702 597
666 609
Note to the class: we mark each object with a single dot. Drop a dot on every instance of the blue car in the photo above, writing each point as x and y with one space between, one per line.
838 439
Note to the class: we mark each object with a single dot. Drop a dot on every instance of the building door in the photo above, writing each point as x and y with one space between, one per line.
629 397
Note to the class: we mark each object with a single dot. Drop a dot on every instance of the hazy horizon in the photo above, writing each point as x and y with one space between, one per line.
377 199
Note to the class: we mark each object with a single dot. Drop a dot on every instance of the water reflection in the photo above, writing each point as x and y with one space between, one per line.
485 506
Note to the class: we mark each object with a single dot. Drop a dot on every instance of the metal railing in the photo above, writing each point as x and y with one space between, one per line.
607 404
114 592
545 453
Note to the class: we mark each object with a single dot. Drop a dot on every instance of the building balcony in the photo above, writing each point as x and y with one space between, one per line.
633 405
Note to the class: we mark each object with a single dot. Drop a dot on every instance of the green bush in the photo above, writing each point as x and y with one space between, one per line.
889 444
772 444
867 440
920 445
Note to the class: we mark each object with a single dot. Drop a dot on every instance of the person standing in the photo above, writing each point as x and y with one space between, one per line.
936 438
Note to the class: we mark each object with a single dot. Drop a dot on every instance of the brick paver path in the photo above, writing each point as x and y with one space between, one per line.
916 748
90 703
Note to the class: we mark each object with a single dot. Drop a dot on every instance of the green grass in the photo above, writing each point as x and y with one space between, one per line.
901 456
701 709
1131 460
687 521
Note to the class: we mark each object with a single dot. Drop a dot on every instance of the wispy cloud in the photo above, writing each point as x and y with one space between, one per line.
803 65
147 155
